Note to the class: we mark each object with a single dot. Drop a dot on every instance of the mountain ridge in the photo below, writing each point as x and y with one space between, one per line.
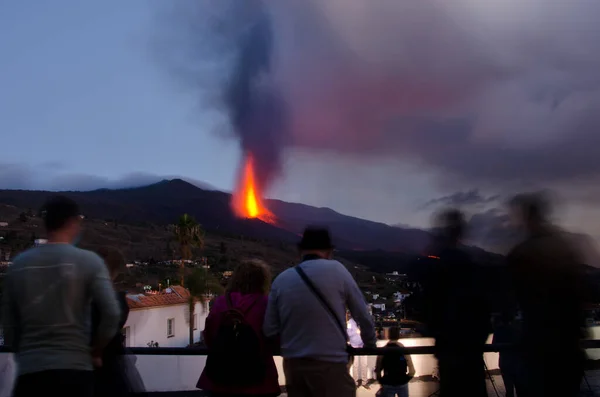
162 202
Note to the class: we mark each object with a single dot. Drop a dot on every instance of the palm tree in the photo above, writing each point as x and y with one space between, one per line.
189 234
200 283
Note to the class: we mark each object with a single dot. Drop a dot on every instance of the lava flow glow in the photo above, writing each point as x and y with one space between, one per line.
247 199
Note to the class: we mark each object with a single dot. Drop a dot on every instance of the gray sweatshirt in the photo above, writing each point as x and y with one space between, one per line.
46 307
306 328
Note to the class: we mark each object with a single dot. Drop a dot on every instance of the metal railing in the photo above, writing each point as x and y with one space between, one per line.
375 351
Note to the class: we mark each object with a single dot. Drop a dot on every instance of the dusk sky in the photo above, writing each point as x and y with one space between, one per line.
395 107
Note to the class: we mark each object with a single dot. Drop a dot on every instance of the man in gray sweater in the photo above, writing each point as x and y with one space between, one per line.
46 309
307 310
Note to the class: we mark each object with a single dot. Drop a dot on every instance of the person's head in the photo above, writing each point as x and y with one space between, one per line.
529 210
451 226
394 333
316 241
114 259
252 276
62 219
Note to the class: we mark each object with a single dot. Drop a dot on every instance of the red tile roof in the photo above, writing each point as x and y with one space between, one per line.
175 295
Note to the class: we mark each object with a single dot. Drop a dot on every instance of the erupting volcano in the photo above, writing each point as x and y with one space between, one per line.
247 199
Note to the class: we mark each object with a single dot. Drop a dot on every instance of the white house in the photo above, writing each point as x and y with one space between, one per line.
162 318
401 295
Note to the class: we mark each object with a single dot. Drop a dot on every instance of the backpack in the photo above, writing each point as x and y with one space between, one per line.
395 368
236 357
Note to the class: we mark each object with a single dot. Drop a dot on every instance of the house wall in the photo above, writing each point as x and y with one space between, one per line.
150 324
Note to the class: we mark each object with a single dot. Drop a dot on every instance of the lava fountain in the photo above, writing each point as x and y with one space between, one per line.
247 199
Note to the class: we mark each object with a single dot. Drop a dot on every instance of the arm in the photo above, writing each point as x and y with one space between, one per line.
104 297
409 363
411 367
379 368
207 333
272 323
358 309
9 317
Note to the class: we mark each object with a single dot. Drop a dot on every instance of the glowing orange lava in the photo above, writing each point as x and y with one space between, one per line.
247 199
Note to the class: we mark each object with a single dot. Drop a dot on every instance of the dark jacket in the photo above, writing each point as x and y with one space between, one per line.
457 313
111 379
546 272
254 307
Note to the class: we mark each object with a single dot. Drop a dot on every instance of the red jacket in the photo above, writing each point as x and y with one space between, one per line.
254 317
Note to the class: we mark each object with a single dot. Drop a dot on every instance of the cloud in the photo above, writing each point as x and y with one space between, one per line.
16 176
502 94
491 230
19 176
461 199
493 94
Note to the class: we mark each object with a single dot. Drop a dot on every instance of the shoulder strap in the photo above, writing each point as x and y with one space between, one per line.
321 298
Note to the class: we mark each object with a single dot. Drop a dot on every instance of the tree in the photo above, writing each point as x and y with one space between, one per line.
189 234
200 283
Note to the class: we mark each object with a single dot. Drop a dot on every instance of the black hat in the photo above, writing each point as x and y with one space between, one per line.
315 238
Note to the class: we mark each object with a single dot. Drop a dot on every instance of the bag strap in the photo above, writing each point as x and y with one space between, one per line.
321 298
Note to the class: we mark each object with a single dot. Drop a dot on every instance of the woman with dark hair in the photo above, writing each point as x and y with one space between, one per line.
240 360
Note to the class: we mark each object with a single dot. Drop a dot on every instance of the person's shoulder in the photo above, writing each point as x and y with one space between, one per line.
332 265
517 251
87 255
218 304
24 257
284 276
87 258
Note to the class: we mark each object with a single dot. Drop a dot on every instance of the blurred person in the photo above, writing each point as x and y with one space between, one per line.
510 361
457 314
8 372
307 308
111 375
546 273
241 365
47 310
394 370
360 364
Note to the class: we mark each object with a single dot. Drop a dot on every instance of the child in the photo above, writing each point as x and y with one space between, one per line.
394 370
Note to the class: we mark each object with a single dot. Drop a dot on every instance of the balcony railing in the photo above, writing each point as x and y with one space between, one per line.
173 369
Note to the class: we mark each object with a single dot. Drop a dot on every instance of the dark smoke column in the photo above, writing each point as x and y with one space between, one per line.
256 107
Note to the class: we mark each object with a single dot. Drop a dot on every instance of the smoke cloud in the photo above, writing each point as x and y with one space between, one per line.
256 107
486 93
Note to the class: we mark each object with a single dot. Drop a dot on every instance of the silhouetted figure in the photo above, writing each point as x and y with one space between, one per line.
546 273
394 370
46 308
360 364
240 359
111 378
456 312
507 332
307 308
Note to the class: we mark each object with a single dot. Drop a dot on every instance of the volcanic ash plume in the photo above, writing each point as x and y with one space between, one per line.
256 111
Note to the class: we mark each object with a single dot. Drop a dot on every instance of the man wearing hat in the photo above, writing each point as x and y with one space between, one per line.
307 310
